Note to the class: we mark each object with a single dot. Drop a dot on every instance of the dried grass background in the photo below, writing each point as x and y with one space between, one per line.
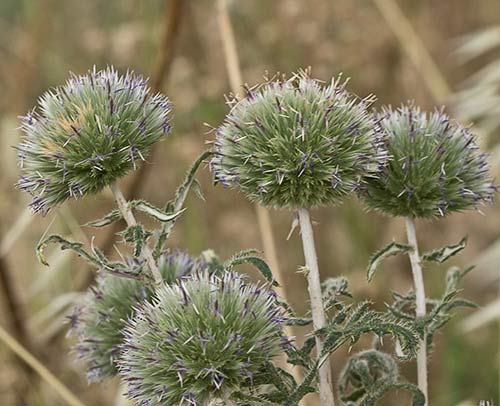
433 51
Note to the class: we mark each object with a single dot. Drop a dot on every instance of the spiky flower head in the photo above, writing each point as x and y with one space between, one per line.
99 321
297 143
87 134
435 169
200 340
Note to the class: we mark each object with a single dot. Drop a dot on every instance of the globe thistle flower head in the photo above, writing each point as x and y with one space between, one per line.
87 134
435 169
297 143
99 321
201 339
175 264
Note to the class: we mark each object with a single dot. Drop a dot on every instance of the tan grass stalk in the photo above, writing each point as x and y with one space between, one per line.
39 368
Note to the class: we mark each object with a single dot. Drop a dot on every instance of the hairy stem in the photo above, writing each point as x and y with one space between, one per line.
131 221
317 310
418 282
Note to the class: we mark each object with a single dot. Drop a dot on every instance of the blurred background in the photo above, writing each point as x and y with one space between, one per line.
436 52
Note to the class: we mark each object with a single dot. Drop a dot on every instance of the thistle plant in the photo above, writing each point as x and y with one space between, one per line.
201 340
112 121
190 331
98 322
435 169
297 144
88 134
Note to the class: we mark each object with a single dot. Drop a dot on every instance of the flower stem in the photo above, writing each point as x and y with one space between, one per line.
131 221
317 310
418 282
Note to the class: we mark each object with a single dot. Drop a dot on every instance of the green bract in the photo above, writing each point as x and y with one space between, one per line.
200 340
100 320
297 143
435 167
87 134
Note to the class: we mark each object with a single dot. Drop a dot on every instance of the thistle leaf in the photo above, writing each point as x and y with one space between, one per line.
77 247
246 257
302 356
454 276
393 248
360 319
136 236
418 398
108 219
177 203
369 375
298 321
154 211
445 252
244 400
303 389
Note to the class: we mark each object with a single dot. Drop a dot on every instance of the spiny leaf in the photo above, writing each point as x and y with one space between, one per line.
393 248
177 203
440 310
445 252
454 275
244 400
418 398
298 321
359 320
245 257
136 235
332 288
368 376
132 271
198 191
154 211
110 218
301 356
304 388
65 244
95 258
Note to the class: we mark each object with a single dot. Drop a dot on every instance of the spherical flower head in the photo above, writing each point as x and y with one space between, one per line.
99 321
435 166
201 339
297 143
87 134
